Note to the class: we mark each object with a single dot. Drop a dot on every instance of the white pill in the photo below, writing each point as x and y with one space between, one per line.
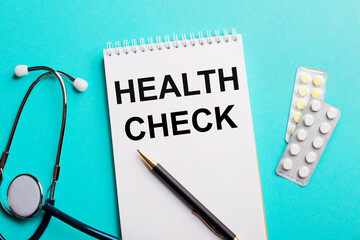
332 113
287 164
294 149
304 172
318 142
310 157
308 120
315 106
301 135
325 128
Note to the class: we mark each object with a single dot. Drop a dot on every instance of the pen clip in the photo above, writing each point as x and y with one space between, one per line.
207 224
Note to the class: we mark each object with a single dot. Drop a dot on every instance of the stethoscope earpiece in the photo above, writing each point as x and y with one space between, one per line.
25 196
21 70
80 84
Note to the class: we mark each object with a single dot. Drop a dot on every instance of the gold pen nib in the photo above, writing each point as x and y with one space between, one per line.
148 160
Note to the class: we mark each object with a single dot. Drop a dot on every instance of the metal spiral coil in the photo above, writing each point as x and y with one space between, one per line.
158 44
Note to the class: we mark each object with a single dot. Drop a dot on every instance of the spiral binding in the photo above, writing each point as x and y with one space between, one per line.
127 48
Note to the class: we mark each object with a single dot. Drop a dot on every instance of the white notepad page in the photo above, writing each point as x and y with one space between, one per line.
219 166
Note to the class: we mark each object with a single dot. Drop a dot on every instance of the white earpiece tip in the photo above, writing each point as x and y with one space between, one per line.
21 70
80 84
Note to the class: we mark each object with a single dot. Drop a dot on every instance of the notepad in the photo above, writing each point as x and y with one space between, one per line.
184 102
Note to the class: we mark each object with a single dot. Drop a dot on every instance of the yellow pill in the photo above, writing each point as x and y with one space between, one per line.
315 93
302 91
317 81
297 117
292 130
300 104
305 78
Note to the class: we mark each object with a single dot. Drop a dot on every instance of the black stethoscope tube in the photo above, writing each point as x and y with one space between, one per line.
77 224
43 225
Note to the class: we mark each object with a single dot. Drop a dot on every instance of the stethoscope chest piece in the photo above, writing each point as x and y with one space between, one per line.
25 196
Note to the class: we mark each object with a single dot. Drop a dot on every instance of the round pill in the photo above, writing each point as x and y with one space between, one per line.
301 135
304 172
315 106
331 114
315 93
310 157
308 120
297 117
287 164
325 128
294 149
305 78
292 130
317 81
302 92
300 104
318 142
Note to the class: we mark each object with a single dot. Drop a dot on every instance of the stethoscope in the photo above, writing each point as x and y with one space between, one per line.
25 196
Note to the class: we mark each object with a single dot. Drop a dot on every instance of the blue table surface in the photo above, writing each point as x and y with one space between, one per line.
278 36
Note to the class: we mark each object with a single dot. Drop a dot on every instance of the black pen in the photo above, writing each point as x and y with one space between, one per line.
196 206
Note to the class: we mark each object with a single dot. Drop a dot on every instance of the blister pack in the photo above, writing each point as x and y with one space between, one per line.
308 142
308 83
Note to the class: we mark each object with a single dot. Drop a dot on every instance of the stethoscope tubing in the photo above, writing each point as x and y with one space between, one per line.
77 224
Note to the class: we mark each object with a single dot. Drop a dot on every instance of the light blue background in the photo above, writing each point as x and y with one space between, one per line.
279 36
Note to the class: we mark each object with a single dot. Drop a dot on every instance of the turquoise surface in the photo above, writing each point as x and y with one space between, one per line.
278 36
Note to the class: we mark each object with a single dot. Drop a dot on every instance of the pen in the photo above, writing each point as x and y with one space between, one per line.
196 206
